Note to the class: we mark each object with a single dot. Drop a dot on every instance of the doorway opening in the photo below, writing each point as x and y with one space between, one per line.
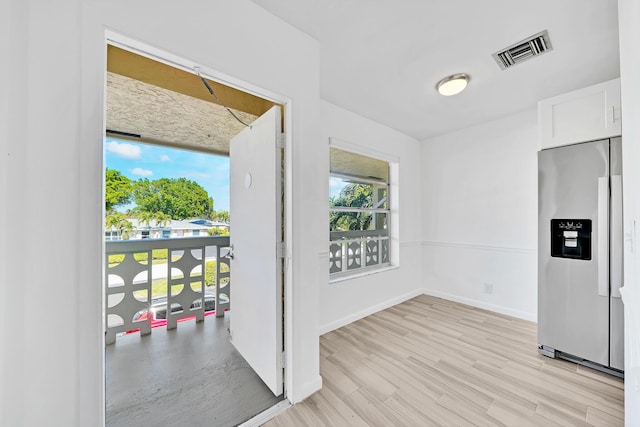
168 358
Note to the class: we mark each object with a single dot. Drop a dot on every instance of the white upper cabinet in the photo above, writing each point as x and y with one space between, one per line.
582 115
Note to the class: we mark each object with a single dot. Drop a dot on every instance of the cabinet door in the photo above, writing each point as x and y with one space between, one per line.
583 115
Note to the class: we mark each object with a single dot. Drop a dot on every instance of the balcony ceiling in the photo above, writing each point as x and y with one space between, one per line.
164 105
347 164
382 59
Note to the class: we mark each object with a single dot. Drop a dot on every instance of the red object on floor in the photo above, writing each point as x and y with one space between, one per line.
156 323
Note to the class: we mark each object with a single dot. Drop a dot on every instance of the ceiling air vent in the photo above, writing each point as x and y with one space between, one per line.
523 50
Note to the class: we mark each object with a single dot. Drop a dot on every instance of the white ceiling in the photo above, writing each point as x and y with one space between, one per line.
382 58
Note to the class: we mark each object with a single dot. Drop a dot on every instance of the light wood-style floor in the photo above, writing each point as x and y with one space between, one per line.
430 361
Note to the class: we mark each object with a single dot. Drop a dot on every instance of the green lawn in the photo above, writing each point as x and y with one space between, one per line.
159 286
158 256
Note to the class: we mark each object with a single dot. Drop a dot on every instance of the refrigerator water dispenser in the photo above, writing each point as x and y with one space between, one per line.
571 238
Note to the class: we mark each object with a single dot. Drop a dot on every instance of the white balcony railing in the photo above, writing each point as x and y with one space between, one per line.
352 250
131 277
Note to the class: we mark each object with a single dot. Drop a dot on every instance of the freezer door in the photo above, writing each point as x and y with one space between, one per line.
617 246
573 294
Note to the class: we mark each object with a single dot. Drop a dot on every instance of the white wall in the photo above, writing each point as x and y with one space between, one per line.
348 300
40 149
5 47
12 40
629 24
51 372
479 204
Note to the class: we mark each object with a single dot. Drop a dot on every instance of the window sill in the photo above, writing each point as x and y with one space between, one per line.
357 274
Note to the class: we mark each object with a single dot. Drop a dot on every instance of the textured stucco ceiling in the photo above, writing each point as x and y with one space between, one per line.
170 106
163 116
348 164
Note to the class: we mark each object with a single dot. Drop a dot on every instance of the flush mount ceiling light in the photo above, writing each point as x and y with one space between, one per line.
453 84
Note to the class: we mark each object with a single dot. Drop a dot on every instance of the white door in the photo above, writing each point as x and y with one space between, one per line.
256 231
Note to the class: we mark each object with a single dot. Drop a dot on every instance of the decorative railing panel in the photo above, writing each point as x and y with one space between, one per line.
185 287
223 279
130 273
353 250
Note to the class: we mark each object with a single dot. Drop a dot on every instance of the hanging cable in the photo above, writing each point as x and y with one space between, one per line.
206 84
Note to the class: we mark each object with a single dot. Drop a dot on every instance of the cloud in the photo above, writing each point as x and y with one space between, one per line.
121 149
165 158
141 172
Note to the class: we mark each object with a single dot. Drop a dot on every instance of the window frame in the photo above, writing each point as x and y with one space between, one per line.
391 211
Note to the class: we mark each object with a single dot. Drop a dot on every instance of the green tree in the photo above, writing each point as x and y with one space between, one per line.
119 222
223 216
214 231
353 195
160 219
178 198
118 189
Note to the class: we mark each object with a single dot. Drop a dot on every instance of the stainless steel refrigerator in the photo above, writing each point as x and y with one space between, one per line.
580 312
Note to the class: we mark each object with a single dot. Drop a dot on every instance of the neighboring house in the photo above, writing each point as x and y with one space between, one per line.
172 229
218 225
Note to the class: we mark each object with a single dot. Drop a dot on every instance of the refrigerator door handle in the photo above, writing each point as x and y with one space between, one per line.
603 236
617 244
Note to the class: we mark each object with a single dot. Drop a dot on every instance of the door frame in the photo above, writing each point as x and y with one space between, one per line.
156 54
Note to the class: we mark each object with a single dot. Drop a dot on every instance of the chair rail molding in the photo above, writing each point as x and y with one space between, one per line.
475 246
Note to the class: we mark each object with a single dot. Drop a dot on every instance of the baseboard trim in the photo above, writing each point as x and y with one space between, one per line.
307 389
368 311
484 305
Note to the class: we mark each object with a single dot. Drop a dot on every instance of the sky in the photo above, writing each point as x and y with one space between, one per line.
335 185
136 160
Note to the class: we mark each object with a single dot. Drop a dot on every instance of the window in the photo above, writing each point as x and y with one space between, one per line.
359 213
112 235
166 234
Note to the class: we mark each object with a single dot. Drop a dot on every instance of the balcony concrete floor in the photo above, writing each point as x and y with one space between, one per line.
191 376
